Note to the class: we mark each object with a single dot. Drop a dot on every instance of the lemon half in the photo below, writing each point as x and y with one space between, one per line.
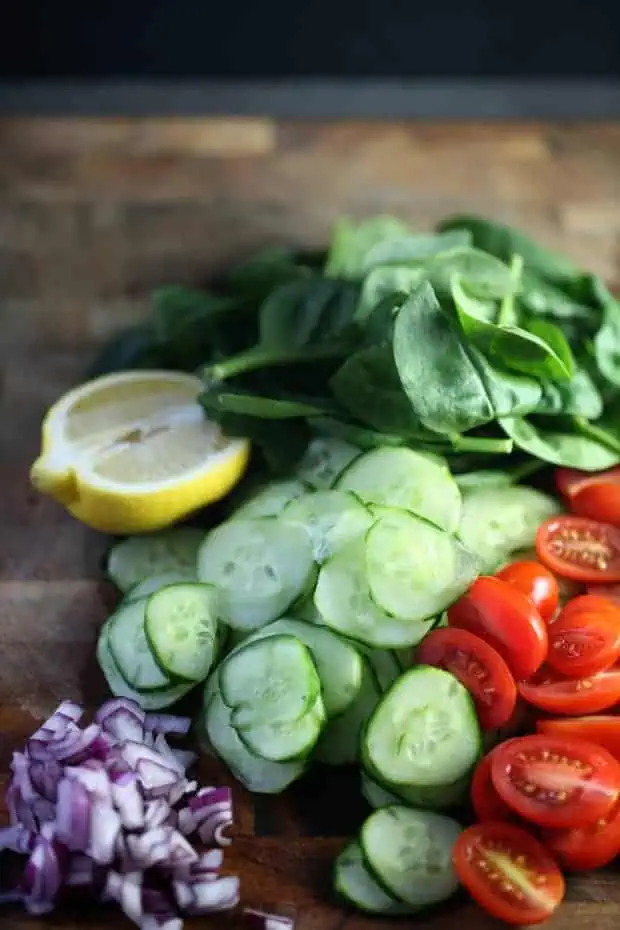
133 452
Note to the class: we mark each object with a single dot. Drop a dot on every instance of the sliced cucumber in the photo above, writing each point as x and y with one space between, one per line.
341 739
376 795
155 582
478 480
430 798
354 883
269 501
331 519
153 700
131 651
384 664
140 557
342 598
410 854
269 681
181 629
414 569
255 774
283 742
415 481
337 662
496 521
324 460
424 731
259 567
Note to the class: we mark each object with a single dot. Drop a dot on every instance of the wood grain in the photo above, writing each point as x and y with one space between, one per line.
93 214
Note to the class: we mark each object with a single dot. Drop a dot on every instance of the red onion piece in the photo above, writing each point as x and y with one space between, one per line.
17 839
168 723
209 812
211 895
128 800
73 815
263 920
122 719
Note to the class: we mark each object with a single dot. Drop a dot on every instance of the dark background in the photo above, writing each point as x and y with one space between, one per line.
328 38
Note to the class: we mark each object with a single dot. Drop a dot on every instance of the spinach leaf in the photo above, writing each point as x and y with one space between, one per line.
281 443
505 241
258 358
352 241
542 299
293 313
251 404
413 249
579 396
191 324
395 281
267 269
354 433
607 339
559 447
483 275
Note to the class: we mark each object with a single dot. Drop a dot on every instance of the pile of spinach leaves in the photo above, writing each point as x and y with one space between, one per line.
474 341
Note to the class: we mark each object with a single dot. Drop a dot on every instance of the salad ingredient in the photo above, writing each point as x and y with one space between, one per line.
609 591
589 847
536 582
584 642
487 803
598 501
132 561
604 730
572 696
181 626
581 549
354 882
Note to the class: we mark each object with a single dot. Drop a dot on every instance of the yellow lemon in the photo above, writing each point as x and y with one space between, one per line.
133 452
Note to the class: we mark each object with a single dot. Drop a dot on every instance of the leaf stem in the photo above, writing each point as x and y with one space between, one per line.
462 443
259 357
506 315
527 468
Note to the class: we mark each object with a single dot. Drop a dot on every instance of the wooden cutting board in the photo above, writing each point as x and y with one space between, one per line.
93 213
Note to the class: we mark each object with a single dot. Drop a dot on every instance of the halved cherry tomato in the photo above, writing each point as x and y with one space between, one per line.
536 582
603 729
600 501
590 603
507 620
508 873
582 643
485 800
569 481
574 696
585 848
479 667
609 591
556 782
579 548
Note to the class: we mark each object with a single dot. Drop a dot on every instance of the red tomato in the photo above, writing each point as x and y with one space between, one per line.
604 730
585 848
479 667
508 873
485 800
590 603
580 549
507 620
600 501
536 582
609 591
569 481
556 782
582 643
573 696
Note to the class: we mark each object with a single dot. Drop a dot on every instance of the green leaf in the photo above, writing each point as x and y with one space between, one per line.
264 271
484 276
308 310
508 315
354 433
558 447
505 241
579 396
391 281
191 324
607 339
542 299
413 249
251 404
352 241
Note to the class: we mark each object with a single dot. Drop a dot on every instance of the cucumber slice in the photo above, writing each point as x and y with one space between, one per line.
340 741
259 567
496 521
478 480
342 597
155 582
424 731
384 664
354 883
132 560
338 663
324 460
270 681
376 795
414 569
153 700
331 519
181 629
131 651
435 798
257 775
269 501
410 854
415 481
283 742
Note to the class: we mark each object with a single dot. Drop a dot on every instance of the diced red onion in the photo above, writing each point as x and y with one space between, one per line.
168 723
157 813
161 922
73 815
262 920
128 800
81 871
17 839
105 826
122 719
220 894
126 890
209 812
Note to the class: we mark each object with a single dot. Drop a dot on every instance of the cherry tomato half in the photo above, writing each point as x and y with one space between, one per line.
569 481
556 782
536 582
507 620
508 873
609 591
485 800
479 667
583 642
602 729
579 548
585 848
590 603
600 501
574 696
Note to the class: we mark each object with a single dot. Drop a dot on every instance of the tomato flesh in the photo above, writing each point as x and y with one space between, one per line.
507 620
479 667
509 873
598 501
591 602
602 729
585 848
610 592
582 643
486 802
555 782
569 481
536 582
581 549
557 695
